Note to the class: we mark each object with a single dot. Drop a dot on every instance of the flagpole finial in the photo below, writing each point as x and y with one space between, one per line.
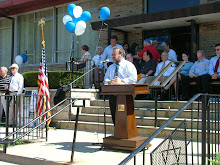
42 22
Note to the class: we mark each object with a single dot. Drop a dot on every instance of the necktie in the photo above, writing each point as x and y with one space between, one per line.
116 69
163 66
216 65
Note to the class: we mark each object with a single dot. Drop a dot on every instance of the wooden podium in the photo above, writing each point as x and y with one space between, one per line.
125 131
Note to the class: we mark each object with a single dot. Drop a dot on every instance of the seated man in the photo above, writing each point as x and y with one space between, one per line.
98 73
214 69
98 58
161 66
148 67
120 72
199 73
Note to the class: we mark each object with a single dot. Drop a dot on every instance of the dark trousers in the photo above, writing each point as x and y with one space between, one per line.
112 104
202 83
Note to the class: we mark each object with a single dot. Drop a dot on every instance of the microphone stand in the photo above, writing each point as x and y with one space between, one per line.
104 105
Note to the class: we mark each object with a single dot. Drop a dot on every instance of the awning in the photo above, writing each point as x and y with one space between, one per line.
166 19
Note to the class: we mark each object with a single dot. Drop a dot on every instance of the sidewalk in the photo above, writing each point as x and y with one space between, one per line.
59 147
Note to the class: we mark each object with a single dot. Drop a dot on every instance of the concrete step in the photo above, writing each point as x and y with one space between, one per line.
144 121
150 104
142 130
13 159
150 112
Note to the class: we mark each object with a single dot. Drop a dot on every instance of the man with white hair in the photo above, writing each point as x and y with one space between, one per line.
16 87
4 82
98 58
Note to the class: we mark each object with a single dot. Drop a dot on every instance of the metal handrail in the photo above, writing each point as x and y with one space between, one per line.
37 119
161 128
82 76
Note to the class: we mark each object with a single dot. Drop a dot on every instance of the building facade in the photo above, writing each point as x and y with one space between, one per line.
188 25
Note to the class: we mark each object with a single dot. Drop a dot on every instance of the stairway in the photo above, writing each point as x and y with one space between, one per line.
91 118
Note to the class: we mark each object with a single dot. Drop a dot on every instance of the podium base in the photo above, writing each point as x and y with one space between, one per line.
124 144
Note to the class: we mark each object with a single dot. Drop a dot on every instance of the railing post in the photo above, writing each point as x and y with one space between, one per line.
204 107
7 118
46 118
155 124
75 131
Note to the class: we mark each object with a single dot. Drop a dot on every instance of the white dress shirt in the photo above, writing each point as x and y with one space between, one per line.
16 83
168 72
108 52
126 72
172 55
97 59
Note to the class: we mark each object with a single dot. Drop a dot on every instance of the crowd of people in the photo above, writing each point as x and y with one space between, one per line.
148 63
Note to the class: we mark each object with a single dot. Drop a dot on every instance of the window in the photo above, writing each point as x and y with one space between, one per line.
161 5
6 41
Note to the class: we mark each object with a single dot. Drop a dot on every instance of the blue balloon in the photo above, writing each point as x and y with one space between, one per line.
70 8
25 58
85 16
104 13
70 26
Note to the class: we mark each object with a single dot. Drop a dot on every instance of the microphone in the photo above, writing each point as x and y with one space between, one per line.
107 60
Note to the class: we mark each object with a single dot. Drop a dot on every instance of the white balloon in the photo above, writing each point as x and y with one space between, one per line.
80 28
66 19
19 60
78 33
77 11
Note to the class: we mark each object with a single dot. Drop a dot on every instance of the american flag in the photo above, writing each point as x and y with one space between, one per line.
43 87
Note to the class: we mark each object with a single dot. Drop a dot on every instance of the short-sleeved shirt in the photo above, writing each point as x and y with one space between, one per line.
147 66
155 53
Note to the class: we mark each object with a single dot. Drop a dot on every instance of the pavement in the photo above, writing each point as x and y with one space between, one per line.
58 149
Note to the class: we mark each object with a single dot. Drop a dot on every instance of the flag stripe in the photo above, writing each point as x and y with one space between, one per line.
43 88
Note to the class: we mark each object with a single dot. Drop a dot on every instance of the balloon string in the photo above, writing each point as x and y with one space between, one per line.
99 37
71 48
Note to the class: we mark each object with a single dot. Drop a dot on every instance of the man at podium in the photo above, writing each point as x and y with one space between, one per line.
120 72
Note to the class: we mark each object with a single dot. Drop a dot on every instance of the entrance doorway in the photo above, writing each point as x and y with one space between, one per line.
179 37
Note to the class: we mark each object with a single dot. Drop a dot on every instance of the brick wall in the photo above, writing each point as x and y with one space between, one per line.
209 35
121 8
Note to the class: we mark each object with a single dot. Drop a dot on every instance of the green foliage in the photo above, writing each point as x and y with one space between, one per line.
55 78
20 142
217 161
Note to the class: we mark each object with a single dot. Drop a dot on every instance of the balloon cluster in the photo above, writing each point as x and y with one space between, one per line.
76 21
19 59
76 24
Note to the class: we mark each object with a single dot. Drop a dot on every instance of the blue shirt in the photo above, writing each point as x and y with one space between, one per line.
107 54
200 67
126 72
186 67
212 63
172 55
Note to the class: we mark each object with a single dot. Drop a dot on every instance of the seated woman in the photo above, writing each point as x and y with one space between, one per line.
86 56
148 67
85 64
184 71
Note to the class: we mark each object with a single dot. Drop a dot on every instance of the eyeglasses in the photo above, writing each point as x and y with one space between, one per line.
217 49
12 68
